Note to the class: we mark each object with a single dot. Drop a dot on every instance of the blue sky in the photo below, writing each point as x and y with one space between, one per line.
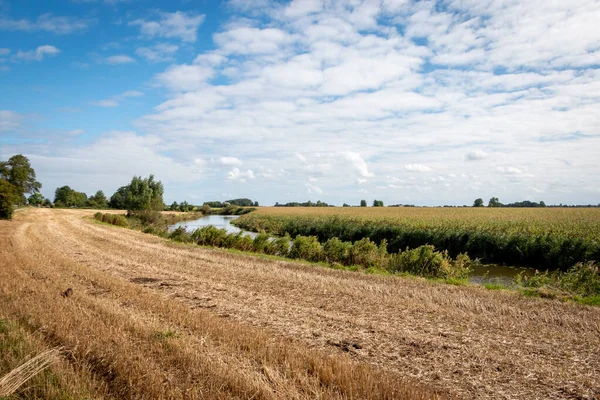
413 102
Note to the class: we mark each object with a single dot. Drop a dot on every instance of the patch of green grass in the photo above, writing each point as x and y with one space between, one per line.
494 286
591 300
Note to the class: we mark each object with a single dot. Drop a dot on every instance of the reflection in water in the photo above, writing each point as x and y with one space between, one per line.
218 221
482 274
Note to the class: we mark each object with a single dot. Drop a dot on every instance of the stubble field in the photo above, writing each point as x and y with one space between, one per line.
153 319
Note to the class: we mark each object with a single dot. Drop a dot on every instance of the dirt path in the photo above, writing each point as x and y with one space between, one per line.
469 341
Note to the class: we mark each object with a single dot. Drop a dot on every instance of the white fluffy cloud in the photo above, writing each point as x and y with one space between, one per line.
37 54
179 25
235 174
230 161
115 100
119 59
161 52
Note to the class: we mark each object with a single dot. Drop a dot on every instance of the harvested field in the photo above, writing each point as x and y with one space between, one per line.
149 319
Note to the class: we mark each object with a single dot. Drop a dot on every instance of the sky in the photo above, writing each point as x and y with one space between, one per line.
409 102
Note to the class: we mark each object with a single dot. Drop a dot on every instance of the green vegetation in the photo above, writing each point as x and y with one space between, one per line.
541 239
583 279
142 194
66 197
425 261
309 203
17 178
362 254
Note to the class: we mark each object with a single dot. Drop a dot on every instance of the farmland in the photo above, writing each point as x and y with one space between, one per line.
152 318
543 238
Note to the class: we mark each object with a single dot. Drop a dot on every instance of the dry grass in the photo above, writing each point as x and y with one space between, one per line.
154 319
16 378
142 344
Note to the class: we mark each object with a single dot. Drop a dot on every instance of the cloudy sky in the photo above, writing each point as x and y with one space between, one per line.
418 102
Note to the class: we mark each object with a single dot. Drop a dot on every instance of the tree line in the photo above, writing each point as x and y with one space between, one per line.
494 202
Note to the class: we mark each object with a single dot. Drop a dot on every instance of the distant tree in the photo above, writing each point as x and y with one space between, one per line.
119 199
542 204
174 206
66 197
478 203
345 205
256 204
363 203
377 203
185 207
98 200
142 194
494 202
205 209
18 172
47 203
36 199
244 202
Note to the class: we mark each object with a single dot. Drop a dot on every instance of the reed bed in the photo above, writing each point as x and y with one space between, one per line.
541 238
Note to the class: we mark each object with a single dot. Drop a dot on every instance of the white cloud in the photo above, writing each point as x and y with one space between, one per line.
237 175
510 170
313 188
115 100
476 155
119 59
185 77
46 23
179 25
4 51
37 54
417 168
9 120
230 161
161 52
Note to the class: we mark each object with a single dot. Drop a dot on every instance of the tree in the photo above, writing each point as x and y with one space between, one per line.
98 200
363 203
478 203
542 204
66 197
494 202
18 172
377 203
35 199
142 194
174 206
8 197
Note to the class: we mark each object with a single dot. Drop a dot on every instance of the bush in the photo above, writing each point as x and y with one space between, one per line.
582 279
180 235
113 219
365 253
336 251
282 245
209 236
427 262
306 248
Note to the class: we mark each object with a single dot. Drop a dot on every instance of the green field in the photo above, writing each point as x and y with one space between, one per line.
541 238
